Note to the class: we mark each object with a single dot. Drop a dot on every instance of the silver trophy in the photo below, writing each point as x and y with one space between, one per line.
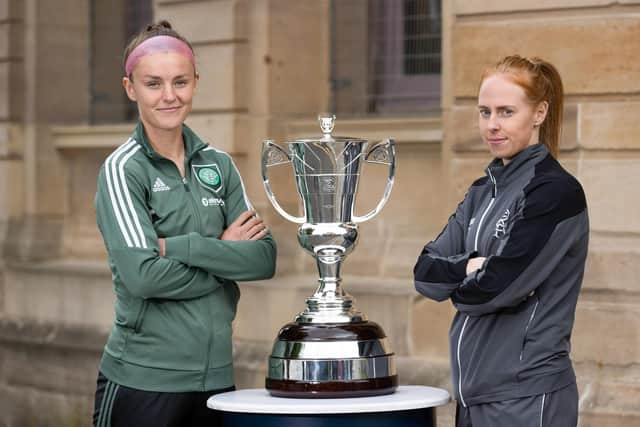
331 350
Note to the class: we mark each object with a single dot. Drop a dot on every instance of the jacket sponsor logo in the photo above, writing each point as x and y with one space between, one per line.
159 185
212 201
208 176
501 225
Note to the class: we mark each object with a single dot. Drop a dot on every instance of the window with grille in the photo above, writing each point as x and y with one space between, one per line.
113 23
385 56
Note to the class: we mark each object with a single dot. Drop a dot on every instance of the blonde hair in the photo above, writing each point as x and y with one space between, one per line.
541 82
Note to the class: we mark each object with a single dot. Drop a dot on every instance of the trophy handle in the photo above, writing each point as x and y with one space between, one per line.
274 155
383 153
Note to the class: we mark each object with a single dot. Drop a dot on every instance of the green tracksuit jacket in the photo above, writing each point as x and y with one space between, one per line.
173 314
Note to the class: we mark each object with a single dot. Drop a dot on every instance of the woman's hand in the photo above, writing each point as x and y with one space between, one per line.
161 246
248 226
474 264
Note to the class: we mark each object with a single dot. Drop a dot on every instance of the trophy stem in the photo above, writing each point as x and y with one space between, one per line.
330 303
329 262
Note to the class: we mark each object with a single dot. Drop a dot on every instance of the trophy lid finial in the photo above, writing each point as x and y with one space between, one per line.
327 122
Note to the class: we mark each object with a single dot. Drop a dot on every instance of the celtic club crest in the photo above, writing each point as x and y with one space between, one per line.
208 176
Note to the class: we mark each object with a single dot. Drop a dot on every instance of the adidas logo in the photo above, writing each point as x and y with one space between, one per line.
160 186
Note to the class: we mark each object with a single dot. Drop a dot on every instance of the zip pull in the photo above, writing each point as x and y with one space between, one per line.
186 184
494 190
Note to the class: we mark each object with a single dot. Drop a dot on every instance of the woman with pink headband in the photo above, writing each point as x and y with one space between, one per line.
179 230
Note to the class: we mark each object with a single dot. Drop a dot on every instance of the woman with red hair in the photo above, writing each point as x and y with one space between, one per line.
511 259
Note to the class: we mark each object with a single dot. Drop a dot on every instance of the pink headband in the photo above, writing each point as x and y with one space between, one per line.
154 45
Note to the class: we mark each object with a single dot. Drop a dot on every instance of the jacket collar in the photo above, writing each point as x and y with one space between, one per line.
192 143
525 159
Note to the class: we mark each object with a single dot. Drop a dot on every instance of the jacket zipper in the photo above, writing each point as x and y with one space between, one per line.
206 361
185 185
494 193
466 319
196 214
192 201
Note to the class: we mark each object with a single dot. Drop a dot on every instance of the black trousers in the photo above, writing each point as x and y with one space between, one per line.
555 409
120 406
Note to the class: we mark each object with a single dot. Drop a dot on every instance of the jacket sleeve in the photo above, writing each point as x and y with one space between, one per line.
441 266
227 259
552 223
132 244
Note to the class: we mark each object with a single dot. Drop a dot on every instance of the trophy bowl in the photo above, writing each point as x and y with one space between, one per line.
331 349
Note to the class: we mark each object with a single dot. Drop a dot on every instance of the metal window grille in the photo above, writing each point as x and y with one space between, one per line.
422 36
112 24
385 56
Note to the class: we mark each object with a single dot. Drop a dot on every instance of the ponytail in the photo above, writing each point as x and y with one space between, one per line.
551 127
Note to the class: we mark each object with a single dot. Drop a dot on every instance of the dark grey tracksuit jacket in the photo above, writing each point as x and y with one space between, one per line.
510 337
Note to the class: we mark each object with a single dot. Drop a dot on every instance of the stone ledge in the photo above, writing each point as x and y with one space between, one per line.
41 292
608 418
424 130
358 284
64 266
77 338
219 128
32 238
90 137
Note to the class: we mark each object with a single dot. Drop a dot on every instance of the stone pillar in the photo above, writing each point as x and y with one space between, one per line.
49 84
591 43
11 58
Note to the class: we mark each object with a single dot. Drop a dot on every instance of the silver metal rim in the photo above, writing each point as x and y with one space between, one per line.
331 349
320 317
320 370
